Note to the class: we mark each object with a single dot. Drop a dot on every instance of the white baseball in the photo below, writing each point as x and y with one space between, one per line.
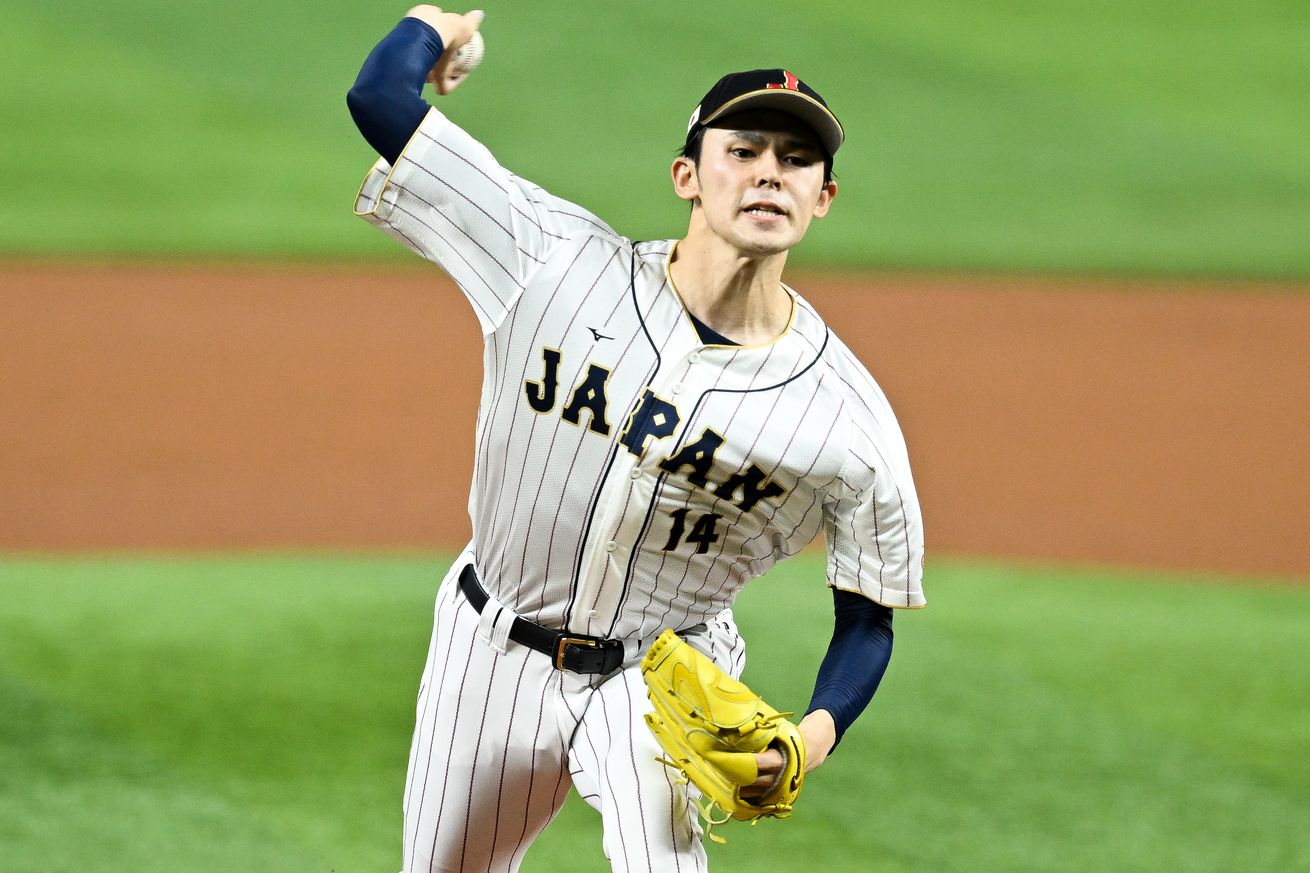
467 57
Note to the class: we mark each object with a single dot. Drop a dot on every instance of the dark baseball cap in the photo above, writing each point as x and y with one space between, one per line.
768 89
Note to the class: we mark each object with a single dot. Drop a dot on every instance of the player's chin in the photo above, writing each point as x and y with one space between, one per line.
762 244
767 240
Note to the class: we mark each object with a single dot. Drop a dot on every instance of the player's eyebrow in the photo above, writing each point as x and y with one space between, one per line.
794 143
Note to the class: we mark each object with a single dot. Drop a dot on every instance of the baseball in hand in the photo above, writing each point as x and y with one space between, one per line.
467 57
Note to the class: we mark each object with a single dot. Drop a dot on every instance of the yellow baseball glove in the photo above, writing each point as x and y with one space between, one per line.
711 727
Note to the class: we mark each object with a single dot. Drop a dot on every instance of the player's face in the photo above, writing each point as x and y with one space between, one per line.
759 182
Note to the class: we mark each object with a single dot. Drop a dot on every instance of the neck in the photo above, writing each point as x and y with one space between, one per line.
739 295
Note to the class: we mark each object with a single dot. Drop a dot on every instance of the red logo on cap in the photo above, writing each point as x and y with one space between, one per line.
792 83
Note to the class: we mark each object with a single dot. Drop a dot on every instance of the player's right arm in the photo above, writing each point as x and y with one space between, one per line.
436 189
386 101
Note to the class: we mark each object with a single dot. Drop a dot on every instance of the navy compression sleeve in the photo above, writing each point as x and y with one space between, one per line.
387 99
856 660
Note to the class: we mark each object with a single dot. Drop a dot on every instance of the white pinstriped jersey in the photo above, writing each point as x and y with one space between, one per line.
629 477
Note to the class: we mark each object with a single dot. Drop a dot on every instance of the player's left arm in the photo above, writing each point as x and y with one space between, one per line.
852 669
874 530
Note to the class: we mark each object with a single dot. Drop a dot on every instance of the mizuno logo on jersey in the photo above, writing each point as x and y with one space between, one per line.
654 419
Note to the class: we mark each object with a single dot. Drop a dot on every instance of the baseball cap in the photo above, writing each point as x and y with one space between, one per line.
768 89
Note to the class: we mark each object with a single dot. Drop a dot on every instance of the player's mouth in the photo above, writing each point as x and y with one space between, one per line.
764 210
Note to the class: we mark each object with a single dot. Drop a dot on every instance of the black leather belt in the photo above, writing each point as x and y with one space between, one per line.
568 651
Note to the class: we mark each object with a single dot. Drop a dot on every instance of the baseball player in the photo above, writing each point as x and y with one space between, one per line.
660 422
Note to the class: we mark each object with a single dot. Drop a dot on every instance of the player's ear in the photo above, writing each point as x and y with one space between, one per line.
686 184
826 195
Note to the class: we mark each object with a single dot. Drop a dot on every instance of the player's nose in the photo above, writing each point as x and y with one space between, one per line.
768 169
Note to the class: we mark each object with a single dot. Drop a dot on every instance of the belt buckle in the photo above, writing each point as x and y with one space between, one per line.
575 641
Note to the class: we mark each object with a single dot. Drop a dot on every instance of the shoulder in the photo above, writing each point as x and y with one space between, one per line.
842 371
586 243
872 429
857 384
591 242
579 222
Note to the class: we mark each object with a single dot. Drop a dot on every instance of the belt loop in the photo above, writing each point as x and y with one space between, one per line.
500 628
634 650
494 624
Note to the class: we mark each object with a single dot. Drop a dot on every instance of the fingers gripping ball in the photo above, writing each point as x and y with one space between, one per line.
711 726
467 57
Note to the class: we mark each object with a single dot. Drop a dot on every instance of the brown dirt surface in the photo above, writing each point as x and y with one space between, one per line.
162 407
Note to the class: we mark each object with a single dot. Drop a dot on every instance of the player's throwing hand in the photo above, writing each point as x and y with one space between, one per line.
455 30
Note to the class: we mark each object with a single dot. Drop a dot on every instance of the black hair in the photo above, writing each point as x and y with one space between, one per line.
691 151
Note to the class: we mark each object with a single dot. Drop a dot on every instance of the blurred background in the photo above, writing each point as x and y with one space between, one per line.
1072 242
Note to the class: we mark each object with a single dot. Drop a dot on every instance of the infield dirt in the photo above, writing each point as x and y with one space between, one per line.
158 407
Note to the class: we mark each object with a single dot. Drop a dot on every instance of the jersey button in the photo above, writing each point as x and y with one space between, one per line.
677 389
694 357
636 473
611 546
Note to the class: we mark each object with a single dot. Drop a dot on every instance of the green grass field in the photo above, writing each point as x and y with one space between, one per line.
1120 137
253 713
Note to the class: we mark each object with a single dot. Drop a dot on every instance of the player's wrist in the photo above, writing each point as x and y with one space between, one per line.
453 28
429 15
819 731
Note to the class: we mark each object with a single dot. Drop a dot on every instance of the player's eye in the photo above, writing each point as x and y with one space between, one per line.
799 160
741 152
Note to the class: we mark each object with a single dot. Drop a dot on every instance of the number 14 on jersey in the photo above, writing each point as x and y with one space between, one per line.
704 530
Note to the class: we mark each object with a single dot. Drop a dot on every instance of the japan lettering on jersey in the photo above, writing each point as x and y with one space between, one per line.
627 476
